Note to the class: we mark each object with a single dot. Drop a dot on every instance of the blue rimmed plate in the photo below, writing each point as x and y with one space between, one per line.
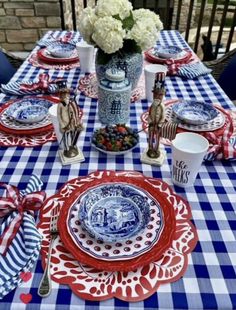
194 112
61 49
114 212
28 110
168 51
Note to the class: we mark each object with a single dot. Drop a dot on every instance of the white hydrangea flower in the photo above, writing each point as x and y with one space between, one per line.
98 27
140 14
108 34
113 7
86 23
144 33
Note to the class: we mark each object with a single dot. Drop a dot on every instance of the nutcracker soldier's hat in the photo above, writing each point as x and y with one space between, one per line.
62 86
159 86
159 80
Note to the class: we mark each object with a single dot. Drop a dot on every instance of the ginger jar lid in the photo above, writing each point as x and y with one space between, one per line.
115 79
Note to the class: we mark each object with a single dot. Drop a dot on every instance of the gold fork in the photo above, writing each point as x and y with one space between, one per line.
45 286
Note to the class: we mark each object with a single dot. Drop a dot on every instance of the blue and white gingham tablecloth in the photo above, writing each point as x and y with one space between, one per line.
210 279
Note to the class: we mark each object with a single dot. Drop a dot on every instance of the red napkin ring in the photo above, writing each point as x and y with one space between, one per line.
221 146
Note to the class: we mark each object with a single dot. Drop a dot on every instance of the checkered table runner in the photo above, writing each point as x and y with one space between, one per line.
210 279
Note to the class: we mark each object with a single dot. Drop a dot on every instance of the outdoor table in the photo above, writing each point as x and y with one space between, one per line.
210 279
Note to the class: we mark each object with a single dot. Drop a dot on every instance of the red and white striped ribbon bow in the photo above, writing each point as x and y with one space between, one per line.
43 83
173 67
14 201
221 146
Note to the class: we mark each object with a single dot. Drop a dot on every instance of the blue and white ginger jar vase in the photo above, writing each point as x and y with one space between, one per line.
114 92
131 63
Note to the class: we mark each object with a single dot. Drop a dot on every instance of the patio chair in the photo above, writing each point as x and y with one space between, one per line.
218 65
8 64
223 70
14 60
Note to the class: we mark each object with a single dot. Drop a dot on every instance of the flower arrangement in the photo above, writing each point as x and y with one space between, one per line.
113 26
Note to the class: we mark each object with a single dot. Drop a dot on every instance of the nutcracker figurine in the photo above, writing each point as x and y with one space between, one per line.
69 124
156 117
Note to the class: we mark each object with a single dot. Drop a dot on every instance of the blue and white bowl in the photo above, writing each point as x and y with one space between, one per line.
61 49
31 110
114 212
31 114
194 112
168 51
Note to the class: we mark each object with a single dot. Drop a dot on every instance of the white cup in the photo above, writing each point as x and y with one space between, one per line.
150 73
53 114
188 151
86 56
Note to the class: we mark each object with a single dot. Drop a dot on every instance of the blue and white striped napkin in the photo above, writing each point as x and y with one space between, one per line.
14 88
24 249
193 70
22 252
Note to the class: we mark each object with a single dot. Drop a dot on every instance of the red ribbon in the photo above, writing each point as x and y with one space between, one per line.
14 201
221 146
173 67
42 84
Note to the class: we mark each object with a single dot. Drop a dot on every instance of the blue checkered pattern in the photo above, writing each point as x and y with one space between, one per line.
210 279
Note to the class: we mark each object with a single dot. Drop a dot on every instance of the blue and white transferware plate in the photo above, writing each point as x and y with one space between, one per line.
126 249
168 51
194 112
31 110
61 49
114 212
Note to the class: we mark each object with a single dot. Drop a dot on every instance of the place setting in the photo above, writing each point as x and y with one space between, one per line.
60 55
33 120
181 62
209 120
102 252
117 160
26 121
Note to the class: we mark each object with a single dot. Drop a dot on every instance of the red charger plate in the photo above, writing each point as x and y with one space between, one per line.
53 60
152 58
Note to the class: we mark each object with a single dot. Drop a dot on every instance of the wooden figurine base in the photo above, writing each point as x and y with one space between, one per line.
153 161
73 160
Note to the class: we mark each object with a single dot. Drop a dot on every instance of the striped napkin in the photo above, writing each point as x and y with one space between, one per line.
68 37
193 70
23 250
21 254
42 84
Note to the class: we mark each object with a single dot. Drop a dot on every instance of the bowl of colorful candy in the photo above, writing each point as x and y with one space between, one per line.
115 139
